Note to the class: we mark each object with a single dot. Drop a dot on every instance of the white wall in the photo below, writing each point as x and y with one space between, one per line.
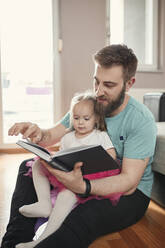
83 32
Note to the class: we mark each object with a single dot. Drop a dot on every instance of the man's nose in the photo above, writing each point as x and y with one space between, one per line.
99 90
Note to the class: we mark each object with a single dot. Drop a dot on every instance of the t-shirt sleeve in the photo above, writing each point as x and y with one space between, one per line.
106 141
140 142
65 121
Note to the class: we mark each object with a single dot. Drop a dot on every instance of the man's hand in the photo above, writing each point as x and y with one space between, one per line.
72 180
28 130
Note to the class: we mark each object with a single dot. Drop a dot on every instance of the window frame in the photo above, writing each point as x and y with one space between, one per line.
56 74
154 67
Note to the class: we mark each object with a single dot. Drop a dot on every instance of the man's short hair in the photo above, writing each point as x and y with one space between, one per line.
118 55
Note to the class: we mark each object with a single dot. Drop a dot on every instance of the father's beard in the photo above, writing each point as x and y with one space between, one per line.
113 105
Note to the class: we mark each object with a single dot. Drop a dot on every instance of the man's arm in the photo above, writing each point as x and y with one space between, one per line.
126 182
52 135
43 137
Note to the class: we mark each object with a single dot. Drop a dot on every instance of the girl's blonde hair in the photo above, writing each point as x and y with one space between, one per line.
97 108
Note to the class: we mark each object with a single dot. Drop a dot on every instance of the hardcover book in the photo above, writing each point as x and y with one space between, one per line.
95 158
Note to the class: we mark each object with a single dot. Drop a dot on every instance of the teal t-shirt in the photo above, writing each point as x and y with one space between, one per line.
133 134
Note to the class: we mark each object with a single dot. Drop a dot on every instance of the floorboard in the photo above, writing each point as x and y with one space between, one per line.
149 232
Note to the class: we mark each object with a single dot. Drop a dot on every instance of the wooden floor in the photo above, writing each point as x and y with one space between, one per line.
147 233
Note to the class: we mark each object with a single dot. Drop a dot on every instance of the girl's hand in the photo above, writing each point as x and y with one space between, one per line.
72 180
28 130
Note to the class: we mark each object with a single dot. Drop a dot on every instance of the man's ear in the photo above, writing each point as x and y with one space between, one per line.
129 83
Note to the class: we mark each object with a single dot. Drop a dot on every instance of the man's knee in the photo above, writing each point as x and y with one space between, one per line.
23 168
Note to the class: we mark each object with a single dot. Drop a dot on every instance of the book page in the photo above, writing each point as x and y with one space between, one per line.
71 150
36 149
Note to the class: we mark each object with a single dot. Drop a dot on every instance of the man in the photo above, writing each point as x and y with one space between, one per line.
132 129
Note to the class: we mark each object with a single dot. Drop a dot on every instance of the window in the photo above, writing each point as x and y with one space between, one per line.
26 64
135 23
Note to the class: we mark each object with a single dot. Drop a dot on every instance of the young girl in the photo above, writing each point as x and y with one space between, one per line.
88 128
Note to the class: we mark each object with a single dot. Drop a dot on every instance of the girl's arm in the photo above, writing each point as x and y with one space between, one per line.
112 152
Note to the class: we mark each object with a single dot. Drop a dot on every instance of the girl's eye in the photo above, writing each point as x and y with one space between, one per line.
76 118
86 118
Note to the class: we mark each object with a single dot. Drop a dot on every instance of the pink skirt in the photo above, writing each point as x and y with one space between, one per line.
58 186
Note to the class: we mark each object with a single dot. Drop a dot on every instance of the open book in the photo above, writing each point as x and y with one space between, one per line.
94 158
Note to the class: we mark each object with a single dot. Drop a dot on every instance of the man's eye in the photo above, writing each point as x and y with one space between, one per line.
109 85
96 82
